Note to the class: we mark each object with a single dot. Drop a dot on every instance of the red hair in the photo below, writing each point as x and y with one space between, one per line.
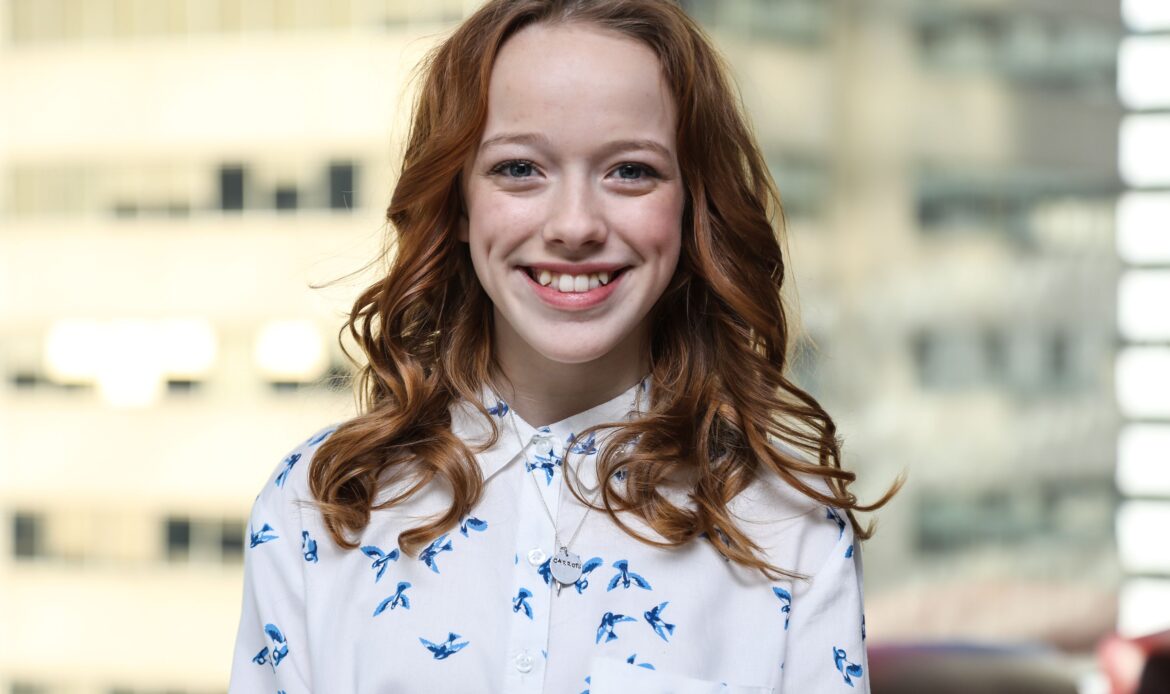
719 390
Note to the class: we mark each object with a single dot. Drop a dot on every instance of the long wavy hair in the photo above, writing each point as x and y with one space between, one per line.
720 397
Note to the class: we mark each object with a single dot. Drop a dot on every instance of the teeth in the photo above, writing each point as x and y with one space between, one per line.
570 284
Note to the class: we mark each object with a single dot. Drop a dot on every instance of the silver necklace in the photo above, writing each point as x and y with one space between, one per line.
565 566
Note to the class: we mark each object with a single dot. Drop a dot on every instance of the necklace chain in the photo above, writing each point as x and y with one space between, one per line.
564 466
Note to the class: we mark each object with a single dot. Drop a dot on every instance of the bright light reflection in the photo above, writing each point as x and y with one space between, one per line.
188 347
1146 15
73 351
1143 607
290 351
1141 305
1144 150
1141 72
1143 460
1143 228
131 370
1143 381
1141 536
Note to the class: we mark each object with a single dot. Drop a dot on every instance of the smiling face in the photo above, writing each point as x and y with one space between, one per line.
574 197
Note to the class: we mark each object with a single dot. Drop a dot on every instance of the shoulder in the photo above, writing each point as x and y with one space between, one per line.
289 480
796 532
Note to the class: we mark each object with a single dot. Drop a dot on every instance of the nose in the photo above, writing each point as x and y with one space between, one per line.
576 218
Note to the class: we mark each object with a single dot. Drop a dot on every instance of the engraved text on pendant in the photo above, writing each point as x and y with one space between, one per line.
566 566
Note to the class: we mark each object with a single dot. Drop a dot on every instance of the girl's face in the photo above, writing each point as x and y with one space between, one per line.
574 197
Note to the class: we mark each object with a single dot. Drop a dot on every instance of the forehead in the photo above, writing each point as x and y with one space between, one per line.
578 83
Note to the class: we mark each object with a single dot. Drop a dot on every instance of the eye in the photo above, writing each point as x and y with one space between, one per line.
515 168
634 172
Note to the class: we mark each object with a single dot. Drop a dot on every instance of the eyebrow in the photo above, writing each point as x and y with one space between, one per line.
612 147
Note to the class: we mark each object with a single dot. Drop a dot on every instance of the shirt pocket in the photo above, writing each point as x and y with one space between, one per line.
613 676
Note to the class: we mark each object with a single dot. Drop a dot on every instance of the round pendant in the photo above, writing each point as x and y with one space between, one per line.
566 566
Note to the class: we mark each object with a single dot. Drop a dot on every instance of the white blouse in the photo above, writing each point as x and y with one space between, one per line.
462 618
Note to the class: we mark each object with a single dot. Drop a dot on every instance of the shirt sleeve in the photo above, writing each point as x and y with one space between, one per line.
272 647
826 640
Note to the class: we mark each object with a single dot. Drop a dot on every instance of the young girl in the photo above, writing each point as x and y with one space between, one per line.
577 359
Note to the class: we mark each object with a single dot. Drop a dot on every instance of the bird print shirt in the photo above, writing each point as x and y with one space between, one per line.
478 609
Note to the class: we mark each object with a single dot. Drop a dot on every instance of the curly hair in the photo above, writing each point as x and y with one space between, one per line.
720 395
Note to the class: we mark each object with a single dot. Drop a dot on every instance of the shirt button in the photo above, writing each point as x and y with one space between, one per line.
543 444
536 556
524 662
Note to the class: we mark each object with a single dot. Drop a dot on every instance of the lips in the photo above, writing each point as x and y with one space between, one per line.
572 282
581 291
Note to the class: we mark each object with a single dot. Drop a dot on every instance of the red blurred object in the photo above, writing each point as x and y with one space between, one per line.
1136 665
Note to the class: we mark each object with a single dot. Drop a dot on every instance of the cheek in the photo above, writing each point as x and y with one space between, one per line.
657 227
499 222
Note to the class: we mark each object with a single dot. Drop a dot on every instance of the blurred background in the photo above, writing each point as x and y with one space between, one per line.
978 204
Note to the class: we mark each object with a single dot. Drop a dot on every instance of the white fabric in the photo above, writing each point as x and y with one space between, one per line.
463 618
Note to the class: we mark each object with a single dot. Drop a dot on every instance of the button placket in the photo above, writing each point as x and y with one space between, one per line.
527 638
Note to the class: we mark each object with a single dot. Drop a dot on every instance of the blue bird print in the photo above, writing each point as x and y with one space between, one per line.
308 547
831 514
583 582
633 657
608 621
381 559
320 437
265 534
521 602
786 599
654 618
500 409
473 523
847 669
288 466
625 577
586 682
399 598
261 658
849 552
446 648
279 646
620 474
429 555
545 571
546 463
584 446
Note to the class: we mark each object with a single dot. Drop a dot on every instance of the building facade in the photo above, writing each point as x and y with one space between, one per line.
176 176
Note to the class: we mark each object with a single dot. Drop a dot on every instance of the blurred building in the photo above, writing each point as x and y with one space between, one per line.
174 173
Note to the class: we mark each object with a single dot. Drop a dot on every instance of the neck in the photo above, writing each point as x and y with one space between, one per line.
543 391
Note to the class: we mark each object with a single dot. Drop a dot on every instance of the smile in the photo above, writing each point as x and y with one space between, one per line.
566 283
568 292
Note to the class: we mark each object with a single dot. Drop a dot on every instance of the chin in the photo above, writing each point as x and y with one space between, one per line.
577 355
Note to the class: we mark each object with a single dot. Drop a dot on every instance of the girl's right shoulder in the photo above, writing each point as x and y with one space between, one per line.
290 477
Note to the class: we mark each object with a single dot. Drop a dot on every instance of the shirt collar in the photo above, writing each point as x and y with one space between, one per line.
469 425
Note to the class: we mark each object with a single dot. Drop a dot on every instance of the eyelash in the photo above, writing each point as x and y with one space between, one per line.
501 168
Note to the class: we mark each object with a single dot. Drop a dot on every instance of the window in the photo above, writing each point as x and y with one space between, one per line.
204 540
285 198
232 181
178 538
28 535
341 186
231 541
1069 51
